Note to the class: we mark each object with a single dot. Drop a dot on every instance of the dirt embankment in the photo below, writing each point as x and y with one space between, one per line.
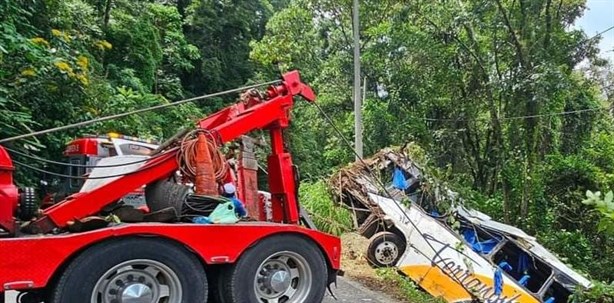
355 266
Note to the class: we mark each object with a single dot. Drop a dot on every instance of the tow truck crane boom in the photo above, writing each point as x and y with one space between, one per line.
38 264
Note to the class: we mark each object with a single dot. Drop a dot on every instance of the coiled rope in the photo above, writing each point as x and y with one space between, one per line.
186 156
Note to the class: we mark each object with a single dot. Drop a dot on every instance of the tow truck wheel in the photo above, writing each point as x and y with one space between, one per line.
385 249
133 270
282 268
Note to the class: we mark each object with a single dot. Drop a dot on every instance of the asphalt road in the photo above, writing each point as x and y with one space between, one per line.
351 291
346 291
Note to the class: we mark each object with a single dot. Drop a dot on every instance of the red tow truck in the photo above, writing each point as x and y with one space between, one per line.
281 260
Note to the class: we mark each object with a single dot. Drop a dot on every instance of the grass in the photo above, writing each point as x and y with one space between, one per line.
326 215
409 290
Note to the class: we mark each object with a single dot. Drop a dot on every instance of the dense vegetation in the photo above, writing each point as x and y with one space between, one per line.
479 84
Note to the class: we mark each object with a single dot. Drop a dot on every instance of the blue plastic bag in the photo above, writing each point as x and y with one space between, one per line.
398 179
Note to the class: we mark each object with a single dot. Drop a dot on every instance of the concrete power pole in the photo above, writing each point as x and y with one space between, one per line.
357 98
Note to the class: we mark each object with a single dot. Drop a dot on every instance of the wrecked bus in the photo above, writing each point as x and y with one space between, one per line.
462 255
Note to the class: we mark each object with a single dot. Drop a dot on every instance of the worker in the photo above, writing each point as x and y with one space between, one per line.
229 191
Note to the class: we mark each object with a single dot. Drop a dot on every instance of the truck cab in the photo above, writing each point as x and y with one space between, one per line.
88 151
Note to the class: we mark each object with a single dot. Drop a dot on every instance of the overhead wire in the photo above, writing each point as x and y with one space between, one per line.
599 34
142 110
396 203
101 119
579 111
78 177
78 165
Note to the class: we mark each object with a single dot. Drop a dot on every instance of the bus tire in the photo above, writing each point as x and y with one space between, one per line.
385 249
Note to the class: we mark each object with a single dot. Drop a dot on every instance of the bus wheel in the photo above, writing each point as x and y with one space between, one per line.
385 249
133 270
282 268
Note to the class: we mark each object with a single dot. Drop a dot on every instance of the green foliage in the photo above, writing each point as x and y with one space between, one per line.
480 85
605 206
69 61
599 293
408 288
573 247
327 216
222 32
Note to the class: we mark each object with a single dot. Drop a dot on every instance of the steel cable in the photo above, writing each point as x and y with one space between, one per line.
80 177
77 165
142 110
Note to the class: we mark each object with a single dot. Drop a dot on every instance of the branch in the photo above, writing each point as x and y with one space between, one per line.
548 25
519 51
340 26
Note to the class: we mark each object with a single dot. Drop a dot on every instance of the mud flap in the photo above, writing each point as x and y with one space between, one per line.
332 279
306 219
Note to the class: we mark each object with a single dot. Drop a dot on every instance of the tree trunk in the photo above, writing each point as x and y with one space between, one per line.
107 13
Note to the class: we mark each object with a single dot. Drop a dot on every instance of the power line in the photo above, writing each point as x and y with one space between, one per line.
572 112
600 33
142 110
387 192
39 159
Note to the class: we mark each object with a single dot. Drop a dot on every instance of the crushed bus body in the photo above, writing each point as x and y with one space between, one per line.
460 254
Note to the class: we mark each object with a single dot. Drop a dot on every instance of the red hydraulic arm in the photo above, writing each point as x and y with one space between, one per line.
271 112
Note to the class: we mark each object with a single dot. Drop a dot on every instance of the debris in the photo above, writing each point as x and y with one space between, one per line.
453 252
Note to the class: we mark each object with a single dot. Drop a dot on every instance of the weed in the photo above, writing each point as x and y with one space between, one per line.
326 215
408 288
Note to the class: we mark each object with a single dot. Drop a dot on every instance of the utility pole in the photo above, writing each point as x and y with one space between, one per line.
357 98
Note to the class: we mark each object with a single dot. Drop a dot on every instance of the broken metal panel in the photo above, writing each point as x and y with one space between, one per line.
412 212
441 265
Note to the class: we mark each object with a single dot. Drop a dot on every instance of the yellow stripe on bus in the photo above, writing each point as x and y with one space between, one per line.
439 284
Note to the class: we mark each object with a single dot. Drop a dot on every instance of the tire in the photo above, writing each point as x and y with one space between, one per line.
28 204
165 193
153 270
385 249
216 278
295 263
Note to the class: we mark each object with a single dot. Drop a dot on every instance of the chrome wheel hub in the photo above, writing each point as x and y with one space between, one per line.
283 277
138 281
386 252
137 293
279 281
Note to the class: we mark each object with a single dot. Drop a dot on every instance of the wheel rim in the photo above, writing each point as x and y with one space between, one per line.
138 281
283 277
386 252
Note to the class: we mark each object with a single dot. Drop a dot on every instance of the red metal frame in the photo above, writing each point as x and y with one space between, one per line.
30 262
226 125
9 195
